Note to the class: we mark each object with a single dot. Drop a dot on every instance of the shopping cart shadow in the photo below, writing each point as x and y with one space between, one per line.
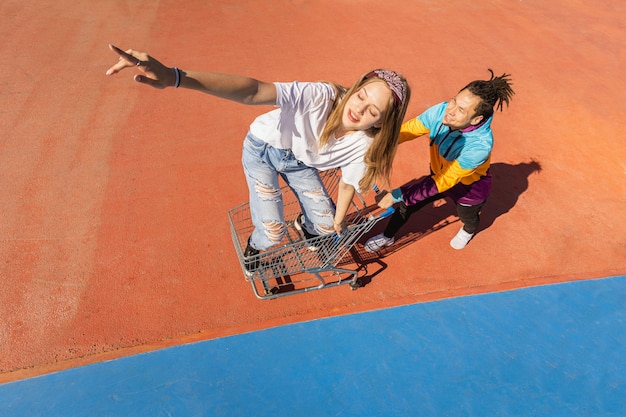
370 264
509 182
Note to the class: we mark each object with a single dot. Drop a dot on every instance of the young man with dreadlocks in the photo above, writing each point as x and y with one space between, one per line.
460 153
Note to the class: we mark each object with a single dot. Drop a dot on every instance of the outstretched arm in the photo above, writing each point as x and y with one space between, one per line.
232 87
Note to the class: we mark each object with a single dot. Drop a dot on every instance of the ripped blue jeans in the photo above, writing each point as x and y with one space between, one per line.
262 164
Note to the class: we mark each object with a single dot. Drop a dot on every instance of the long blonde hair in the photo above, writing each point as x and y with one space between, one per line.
379 156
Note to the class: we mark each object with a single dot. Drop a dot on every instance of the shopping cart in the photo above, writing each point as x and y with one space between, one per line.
291 267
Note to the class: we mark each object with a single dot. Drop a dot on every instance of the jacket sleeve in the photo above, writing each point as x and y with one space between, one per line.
412 129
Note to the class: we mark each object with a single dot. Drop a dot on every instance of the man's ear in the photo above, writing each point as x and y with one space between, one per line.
476 120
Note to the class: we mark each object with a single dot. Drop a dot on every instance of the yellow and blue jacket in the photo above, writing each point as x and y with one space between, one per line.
456 156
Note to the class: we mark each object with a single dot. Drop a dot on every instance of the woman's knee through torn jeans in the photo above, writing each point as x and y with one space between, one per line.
262 164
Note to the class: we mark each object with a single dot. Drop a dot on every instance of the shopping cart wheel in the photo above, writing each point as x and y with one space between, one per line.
356 284
271 291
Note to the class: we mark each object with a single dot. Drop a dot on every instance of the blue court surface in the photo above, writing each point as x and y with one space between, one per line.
556 350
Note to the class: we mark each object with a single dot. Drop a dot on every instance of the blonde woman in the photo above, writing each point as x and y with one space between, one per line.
316 126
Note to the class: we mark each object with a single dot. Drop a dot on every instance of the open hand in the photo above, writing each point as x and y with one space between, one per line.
152 72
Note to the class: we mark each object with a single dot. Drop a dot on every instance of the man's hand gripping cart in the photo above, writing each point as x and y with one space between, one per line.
293 267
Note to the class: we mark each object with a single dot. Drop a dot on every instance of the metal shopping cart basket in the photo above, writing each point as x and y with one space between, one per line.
291 267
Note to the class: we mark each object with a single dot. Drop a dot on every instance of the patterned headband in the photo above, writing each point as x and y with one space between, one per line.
394 82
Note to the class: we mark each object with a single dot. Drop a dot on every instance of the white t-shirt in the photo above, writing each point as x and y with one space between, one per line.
298 123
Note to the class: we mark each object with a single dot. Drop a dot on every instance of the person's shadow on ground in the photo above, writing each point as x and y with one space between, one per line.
509 182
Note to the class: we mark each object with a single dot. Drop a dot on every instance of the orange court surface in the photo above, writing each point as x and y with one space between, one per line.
114 234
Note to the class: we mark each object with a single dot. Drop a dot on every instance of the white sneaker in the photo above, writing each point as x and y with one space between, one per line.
378 242
461 239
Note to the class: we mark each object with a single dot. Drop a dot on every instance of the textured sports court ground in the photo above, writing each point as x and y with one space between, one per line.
120 289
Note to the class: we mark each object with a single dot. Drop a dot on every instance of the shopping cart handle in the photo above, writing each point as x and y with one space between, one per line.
387 212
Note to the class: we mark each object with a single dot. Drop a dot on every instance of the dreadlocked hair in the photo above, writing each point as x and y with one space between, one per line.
493 92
